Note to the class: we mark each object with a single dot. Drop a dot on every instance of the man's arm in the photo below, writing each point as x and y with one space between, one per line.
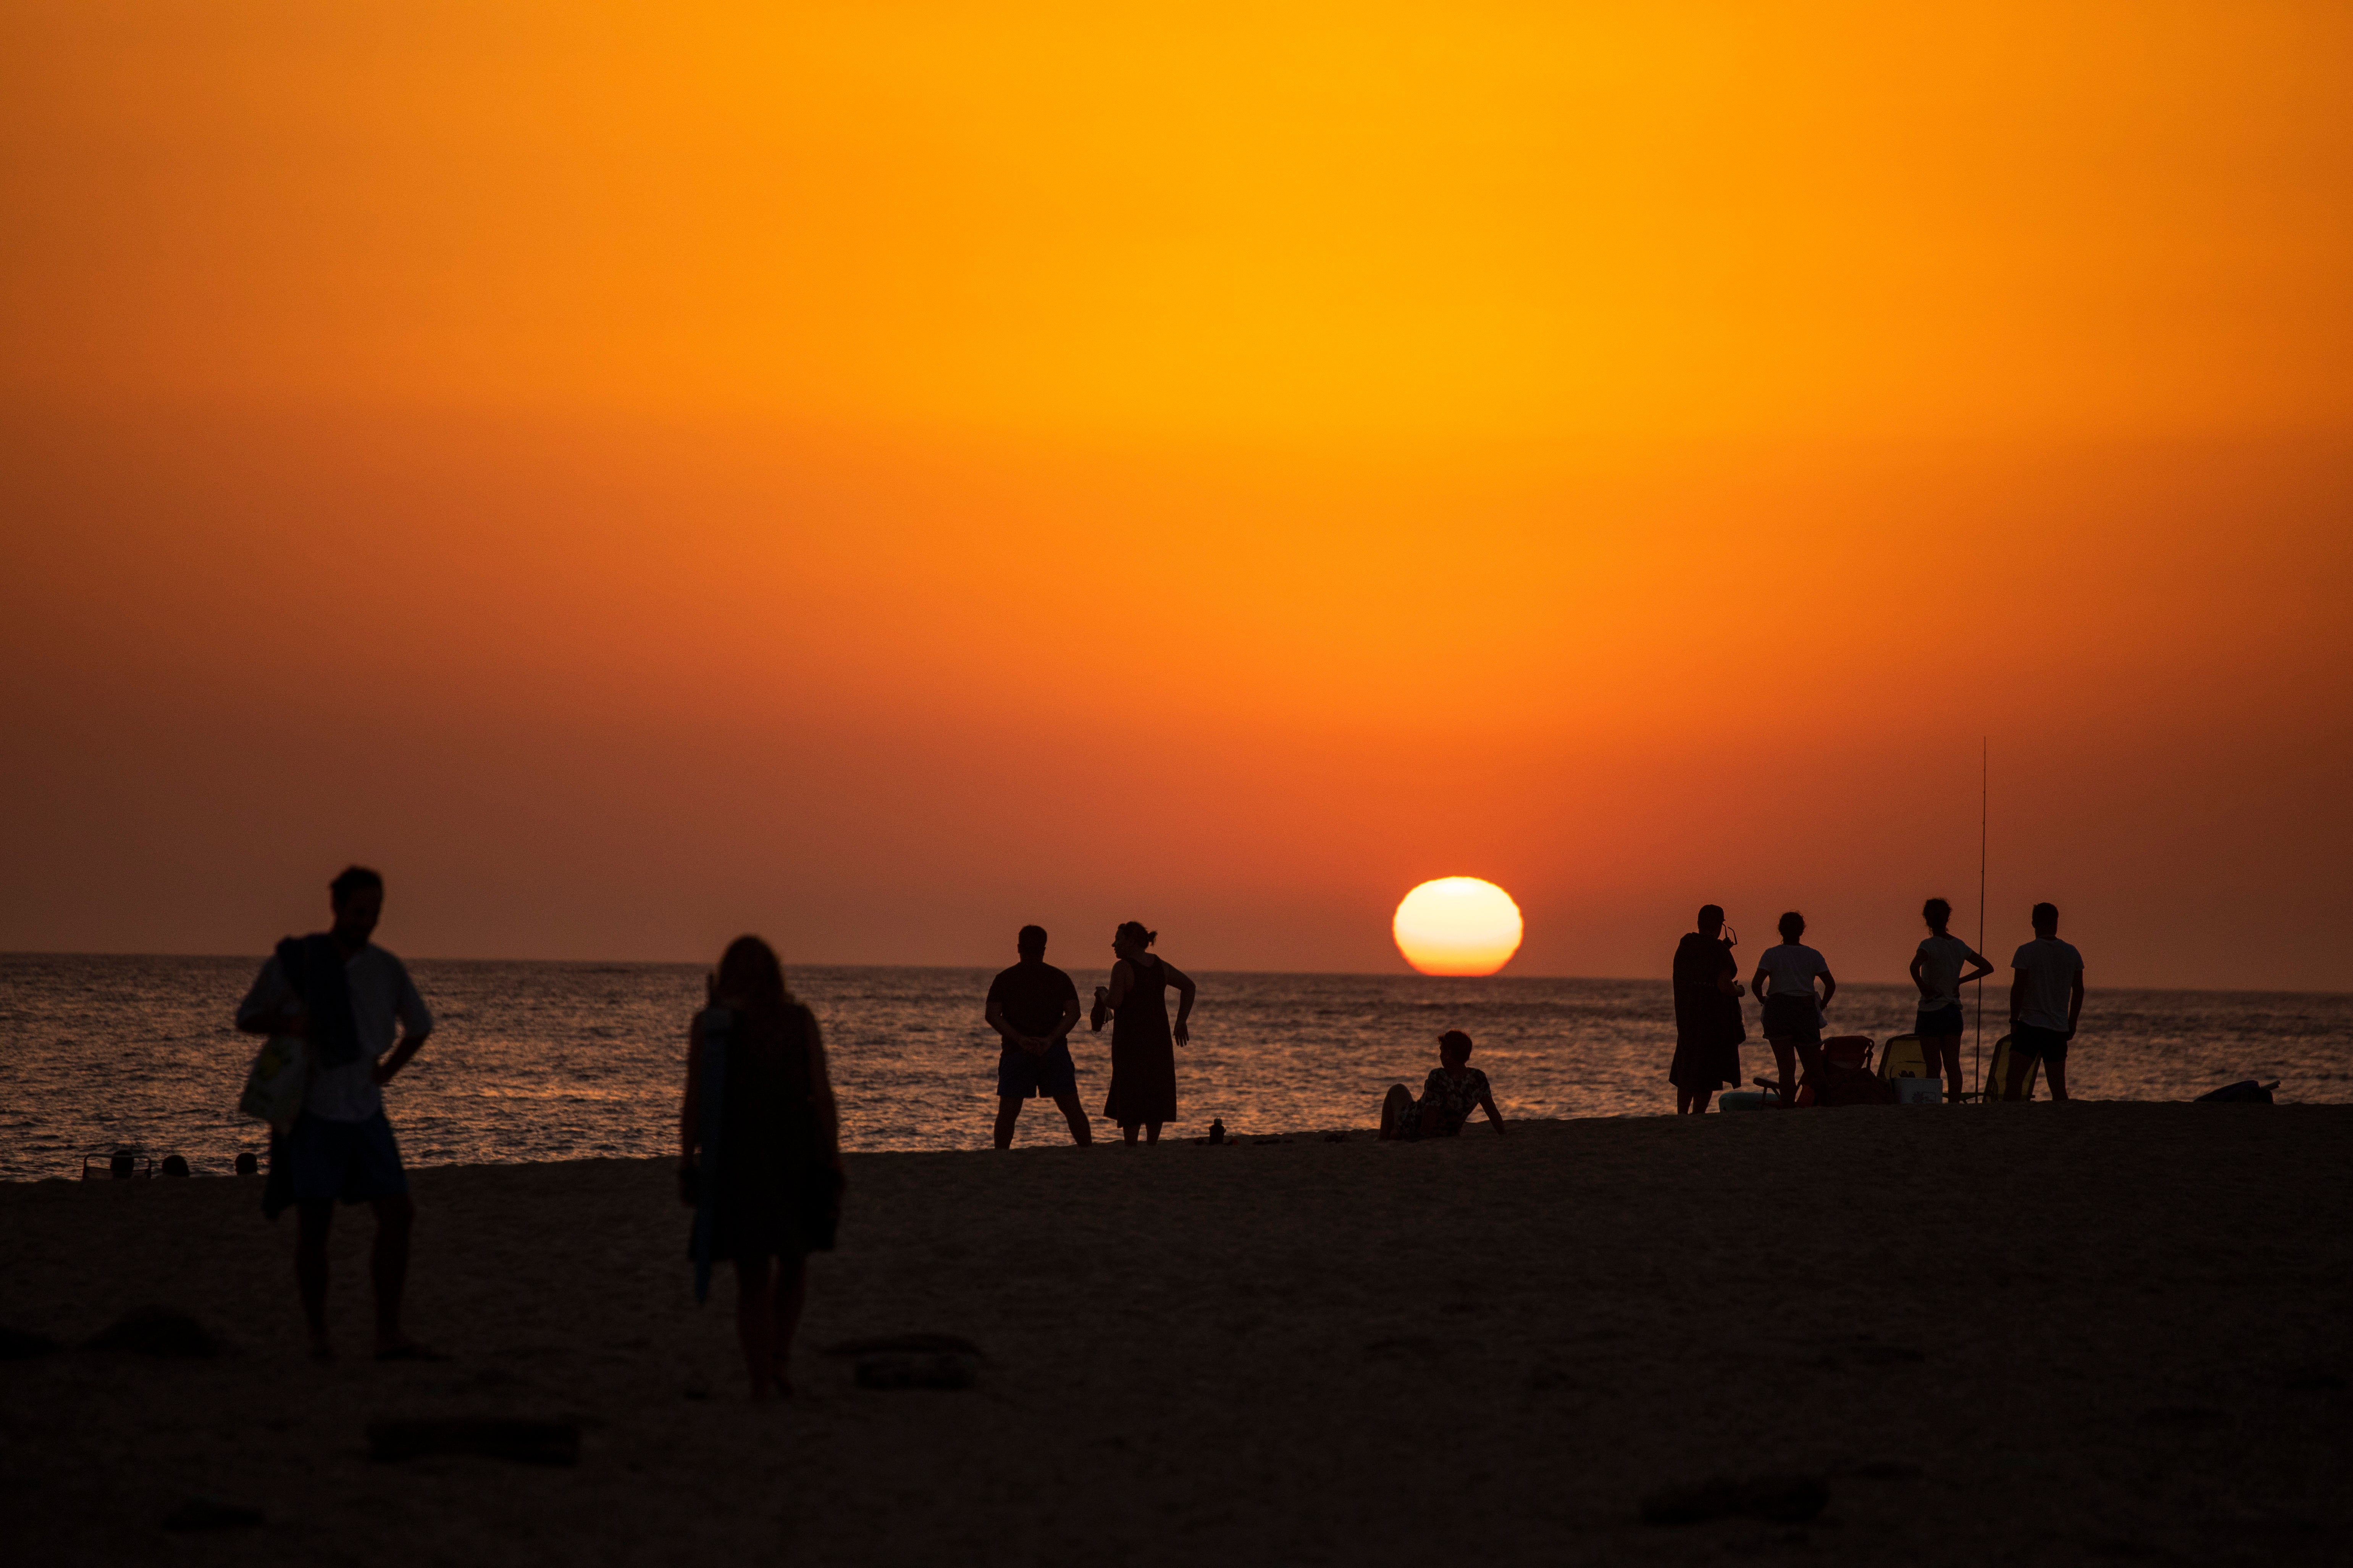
2074 1002
1487 1103
415 1024
1070 1018
2017 995
409 1046
1830 987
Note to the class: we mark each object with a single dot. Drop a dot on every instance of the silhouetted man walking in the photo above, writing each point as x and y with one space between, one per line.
342 994
1033 1006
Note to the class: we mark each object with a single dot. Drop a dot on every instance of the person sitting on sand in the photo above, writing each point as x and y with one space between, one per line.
1793 1013
1708 1030
772 1194
342 995
2046 999
1143 1050
1033 1006
1453 1089
1937 969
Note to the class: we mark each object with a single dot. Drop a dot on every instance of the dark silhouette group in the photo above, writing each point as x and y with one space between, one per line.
759 1137
1795 988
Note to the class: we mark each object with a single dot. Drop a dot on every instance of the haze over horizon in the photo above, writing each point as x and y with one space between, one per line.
637 474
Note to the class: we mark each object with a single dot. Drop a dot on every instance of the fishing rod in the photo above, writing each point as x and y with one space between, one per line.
1985 801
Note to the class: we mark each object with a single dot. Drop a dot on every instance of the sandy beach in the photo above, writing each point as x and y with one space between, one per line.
2041 1333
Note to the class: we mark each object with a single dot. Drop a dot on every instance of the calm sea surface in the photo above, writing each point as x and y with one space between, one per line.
548 1061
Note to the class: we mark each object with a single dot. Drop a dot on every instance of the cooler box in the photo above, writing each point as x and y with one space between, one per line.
1918 1091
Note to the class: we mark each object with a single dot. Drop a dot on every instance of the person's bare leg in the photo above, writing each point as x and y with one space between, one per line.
1785 1062
388 1268
1009 1111
2054 1073
310 1271
1396 1107
2014 1082
1699 1101
1944 1053
1683 1101
1082 1132
791 1291
1152 1132
1127 1131
755 1324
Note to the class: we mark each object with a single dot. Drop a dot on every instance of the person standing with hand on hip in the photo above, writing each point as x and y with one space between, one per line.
342 995
1940 968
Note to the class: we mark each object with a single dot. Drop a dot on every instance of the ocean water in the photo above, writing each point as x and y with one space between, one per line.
549 1061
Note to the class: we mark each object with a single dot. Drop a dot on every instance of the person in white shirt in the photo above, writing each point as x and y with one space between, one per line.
1937 969
2046 999
342 995
1784 981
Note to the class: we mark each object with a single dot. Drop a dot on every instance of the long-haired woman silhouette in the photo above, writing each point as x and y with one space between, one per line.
762 1166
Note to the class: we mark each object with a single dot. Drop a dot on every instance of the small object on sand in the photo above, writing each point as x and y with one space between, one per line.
1216 1130
174 1165
948 1372
16 1344
158 1331
206 1511
2246 1091
912 1361
493 1436
1336 1137
1784 1499
247 1164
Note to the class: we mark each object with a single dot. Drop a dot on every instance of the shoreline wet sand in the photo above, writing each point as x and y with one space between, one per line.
2037 1333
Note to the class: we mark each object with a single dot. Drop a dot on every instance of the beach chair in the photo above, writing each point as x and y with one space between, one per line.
1844 1053
1902 1057
1997 1072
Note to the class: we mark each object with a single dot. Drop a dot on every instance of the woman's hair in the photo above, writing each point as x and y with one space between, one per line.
749 972
1936 912
1793 926
1454 1043
1132 930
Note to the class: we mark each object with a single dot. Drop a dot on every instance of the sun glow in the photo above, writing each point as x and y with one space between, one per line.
1456 925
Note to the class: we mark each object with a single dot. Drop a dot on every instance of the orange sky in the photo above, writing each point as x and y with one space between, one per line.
881 475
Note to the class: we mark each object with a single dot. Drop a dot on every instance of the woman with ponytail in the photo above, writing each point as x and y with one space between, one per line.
760 1152
1143 1049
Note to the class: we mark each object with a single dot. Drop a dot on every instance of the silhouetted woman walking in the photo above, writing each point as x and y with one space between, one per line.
1143 1051
760 1152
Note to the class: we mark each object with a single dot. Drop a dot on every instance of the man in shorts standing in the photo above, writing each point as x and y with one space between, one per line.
342 994
1033 1006
2046 998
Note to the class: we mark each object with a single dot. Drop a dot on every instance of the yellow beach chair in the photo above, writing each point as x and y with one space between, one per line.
1998 1073
1902 1057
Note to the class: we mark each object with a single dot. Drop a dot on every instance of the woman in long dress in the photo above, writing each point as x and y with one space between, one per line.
1143 1049
1708 1030
764 1173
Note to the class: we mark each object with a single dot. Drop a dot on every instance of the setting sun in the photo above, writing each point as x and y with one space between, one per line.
1456 925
